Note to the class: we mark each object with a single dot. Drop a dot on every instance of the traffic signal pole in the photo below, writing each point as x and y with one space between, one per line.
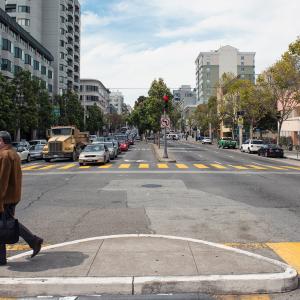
165 139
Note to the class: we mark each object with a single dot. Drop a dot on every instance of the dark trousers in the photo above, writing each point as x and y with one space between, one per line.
28 237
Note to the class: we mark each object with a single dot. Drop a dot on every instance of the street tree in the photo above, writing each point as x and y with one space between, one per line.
95 120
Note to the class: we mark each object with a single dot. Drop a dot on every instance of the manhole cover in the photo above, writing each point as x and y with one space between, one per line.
152 186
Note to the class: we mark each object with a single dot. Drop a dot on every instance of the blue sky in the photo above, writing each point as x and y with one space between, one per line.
128 43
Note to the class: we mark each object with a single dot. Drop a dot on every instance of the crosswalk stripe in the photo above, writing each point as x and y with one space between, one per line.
182 166
290 252
143 166
84 167
201 166
256 167
162 166
239 167
66 167
275 168
47 167
124 166
293 168
105 166
217 166
30 167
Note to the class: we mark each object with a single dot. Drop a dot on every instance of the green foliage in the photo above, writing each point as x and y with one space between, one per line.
95 119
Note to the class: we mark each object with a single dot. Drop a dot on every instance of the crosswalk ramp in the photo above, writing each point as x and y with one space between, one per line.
158 166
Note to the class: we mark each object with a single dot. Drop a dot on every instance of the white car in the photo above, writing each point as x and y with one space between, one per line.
94 154
251 146
206 140
22 151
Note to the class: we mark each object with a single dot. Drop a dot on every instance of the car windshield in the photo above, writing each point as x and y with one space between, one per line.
94 148
257 142
110 145
100 139
37 147
273 146
61 131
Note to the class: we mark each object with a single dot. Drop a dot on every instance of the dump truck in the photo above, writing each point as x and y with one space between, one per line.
65 142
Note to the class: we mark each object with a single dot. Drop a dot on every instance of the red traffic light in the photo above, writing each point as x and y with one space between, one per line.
166 98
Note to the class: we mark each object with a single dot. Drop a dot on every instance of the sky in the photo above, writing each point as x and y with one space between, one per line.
126 44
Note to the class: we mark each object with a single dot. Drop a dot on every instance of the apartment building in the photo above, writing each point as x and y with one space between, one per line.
92 92
117 100
210 66
20 51
56 25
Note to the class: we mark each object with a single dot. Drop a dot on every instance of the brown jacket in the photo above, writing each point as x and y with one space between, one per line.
10 177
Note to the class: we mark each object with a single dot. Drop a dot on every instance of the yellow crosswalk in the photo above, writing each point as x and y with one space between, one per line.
147 166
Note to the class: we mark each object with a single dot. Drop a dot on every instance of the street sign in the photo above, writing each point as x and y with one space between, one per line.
165 122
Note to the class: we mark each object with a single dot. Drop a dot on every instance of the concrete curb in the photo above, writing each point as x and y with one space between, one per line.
216 284
159 157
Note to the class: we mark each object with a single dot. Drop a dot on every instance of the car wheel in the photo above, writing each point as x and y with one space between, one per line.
28 159
47 160
80 164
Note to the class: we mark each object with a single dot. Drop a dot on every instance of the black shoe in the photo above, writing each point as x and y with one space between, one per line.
37 247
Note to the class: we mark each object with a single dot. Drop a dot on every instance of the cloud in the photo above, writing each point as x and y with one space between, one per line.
171 33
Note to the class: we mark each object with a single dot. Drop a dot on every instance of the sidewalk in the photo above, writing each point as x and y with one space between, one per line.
143 264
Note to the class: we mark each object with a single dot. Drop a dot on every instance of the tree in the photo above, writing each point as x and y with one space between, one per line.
201 117
95 119
45 108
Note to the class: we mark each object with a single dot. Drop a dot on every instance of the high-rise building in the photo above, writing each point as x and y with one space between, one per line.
92 91
117 100
20 51
56 25
210 66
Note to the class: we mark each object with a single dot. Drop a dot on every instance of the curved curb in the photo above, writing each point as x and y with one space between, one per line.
217 284
158 156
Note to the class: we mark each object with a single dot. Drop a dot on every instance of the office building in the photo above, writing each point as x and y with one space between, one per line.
56 25
92 92
20 51
117 100
210 66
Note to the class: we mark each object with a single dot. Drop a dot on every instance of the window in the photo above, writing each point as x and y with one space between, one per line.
6 45
17 69
242 69
62 31
50 88
50 74
24 22
6 65
43 84
61 67
242 57
61 79
91 88
242 63
27 59
36 65
24 9
62 43
62 7
44 70
62 19
18 52
62 55
9 8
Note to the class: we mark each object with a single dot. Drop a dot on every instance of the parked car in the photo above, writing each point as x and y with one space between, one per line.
93 138
124 146
36 151
270 150
173 136
22 151
251 146
206 140
94 154
38 142
227 142
112 150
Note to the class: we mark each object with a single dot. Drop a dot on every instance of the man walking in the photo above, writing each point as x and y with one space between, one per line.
10 193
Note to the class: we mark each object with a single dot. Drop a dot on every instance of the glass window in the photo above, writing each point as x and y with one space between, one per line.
6 65
18 53
24 9
6 45
62 43
44 70
62 55
9 8
50 75
17 69
50 88
24 22
36 65
27 59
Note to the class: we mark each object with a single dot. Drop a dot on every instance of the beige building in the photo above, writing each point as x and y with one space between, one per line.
117 100
291 127
210 66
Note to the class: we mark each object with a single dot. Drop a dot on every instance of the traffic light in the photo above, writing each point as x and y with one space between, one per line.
166 100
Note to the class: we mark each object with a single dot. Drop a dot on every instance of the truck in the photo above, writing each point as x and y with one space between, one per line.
227 142
65 142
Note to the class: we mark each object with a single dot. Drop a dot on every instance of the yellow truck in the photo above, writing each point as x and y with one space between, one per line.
65 142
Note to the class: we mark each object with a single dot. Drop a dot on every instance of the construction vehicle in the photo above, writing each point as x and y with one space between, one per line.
65 142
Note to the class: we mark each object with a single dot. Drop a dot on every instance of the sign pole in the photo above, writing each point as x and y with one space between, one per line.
165 139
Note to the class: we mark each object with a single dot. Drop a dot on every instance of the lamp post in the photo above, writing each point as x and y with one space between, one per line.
166 100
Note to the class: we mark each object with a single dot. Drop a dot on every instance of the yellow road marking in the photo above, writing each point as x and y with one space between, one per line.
239 167
30 167
201 166
243 297
217 166
105 166
162 166
47 167
182 166
257 167
290 252
124 166
144 166
66 167
84 167
293 168
275 168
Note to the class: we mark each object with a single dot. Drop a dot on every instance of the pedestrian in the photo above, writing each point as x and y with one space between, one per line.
10 193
